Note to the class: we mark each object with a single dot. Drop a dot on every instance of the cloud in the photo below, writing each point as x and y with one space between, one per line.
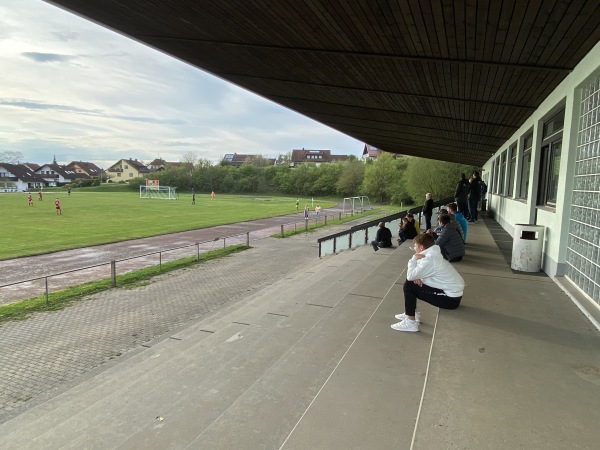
73 89
47 57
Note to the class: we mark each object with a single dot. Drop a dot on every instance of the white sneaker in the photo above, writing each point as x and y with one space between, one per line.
411 326
403 316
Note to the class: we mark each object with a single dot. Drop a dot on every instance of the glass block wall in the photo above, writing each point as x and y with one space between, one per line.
583 251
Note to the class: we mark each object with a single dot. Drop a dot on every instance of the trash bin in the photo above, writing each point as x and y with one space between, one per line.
528 243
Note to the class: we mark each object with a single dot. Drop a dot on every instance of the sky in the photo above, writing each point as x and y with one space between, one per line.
76 91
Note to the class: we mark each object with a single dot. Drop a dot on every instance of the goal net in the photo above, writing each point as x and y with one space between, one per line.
360 203
160 192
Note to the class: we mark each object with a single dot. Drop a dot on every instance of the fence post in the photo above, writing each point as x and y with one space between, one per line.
282 230
247 239
224 242
334 245
295 227
325 220
319 250
113 273
366 235
340 216
350 241
197 251
160 261
306 225
47 301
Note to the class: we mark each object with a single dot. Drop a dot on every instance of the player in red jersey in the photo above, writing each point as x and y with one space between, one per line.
57 205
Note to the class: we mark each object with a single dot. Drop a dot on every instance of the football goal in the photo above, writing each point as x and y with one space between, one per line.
161 192
356 203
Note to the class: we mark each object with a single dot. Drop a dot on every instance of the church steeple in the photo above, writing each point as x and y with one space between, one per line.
54 161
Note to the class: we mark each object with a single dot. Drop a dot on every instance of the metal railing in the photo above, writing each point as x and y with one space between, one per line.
347 238
318 221
32 287
120 266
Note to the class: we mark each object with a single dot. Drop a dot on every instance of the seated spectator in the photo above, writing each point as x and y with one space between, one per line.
429 278
450 239
411 217
407 230
438 227
383 237
460 219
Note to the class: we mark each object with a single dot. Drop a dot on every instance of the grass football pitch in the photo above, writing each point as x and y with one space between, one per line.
91 218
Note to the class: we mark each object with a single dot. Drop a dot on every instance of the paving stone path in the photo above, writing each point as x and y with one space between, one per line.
50 352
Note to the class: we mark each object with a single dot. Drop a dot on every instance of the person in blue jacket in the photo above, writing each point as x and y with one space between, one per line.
459 217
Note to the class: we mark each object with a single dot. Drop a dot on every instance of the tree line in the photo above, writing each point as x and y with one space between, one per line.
388 179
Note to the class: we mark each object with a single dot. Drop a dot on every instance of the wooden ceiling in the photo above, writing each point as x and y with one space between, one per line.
443 79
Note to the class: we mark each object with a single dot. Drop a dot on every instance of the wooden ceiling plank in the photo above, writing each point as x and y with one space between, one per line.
515 22
483 46
582 16
503 39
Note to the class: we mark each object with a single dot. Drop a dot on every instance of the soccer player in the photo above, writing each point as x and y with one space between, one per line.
30 199
212 195
40 195
57 206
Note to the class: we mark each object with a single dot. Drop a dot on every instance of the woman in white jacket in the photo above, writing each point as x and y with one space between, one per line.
430 278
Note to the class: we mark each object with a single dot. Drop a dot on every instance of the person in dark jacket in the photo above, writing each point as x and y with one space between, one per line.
474 196
407 230
461 194
450 239
383 237
428 210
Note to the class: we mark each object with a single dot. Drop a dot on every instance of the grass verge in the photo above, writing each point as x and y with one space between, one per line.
60 299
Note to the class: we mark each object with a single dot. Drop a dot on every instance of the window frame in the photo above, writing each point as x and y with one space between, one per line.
525 175
511 167
502 173
551 150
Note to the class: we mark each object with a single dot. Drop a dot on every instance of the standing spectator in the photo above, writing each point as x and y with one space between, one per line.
474 196
461 194
57 206
483 194
383 237
429 278
428 210
318 211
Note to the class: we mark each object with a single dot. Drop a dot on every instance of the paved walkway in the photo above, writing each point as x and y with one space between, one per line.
16 270
50 352
307 359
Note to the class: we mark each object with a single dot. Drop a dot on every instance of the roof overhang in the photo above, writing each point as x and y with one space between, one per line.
448 80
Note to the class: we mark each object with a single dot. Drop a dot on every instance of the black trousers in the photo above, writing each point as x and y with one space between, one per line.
382 244
431 295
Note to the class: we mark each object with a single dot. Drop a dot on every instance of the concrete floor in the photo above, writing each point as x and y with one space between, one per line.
310 362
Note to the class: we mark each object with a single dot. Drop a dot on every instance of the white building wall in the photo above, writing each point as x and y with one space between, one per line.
510 211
